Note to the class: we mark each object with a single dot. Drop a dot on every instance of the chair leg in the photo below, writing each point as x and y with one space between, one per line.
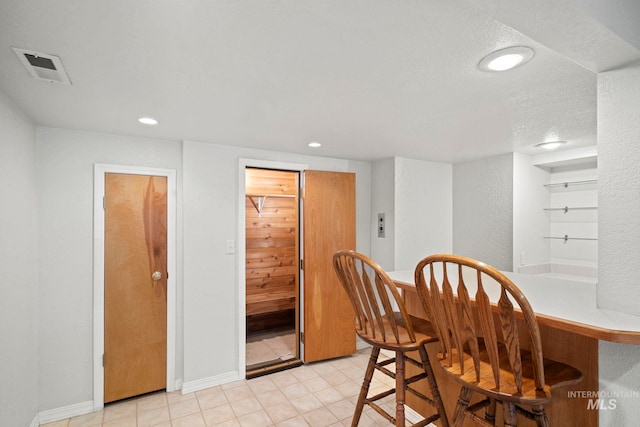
490 412
433 386
461 406
400 392
540 416
366 382
509 411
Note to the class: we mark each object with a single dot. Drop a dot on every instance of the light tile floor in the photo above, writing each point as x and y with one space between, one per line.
318 394
273 345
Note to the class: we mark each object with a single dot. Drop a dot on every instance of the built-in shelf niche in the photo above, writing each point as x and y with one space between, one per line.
572 213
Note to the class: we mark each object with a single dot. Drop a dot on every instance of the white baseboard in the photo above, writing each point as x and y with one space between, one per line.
65 412
197 385
87 407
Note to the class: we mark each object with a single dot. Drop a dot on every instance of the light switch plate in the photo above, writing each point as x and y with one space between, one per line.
231 246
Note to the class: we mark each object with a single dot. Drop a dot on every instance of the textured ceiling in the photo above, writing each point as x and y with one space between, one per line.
368 79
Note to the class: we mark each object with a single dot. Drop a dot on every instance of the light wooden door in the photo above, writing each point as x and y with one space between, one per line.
135 285
329 203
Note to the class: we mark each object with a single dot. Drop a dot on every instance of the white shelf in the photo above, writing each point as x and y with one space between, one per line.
566 209
572 186
575 215
566 238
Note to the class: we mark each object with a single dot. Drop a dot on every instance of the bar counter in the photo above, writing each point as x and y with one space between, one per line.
570 326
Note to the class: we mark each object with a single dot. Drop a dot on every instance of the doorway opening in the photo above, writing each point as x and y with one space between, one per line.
272 259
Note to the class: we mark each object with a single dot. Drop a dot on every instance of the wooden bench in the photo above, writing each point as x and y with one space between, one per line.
272 302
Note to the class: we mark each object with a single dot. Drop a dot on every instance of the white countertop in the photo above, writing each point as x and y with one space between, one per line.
562 299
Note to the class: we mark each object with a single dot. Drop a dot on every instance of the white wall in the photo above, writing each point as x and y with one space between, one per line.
65 211
211 277
619 227
416 198
382 201
530 223
210 288
423 219
619 189
19 267
619 372
483 210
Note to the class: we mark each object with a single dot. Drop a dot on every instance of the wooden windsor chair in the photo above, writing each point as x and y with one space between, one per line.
481 346
373 295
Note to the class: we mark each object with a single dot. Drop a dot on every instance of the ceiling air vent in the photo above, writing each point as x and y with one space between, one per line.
43 66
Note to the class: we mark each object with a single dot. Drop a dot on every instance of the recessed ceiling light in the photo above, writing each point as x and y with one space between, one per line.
551 145
314 144
506 59
148 121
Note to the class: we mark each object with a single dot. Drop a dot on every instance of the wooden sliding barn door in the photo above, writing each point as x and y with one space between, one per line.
135 285
329 217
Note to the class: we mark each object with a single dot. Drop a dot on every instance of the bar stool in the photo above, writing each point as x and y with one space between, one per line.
481 346
373 294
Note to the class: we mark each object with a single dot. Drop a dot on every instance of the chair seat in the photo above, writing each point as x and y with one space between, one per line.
556 375
423 330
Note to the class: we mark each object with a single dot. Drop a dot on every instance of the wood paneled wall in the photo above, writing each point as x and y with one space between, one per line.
271 206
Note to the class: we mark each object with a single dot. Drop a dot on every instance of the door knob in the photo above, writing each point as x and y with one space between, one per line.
156 276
